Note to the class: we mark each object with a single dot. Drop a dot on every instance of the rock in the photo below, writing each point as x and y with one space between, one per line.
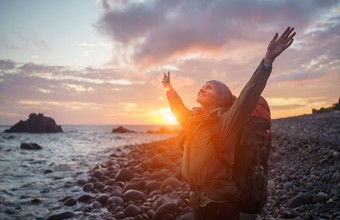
107 189
121 129
115 200
336 177
169 198
187 216
36 124
167 189
70 201
135 183
102 198
119 215
271 186
158 174
30 146
117 191
158 161
152 185
60 216
132 195
99 175
124 175
88 187
98 185
96 205
84 198
299 200
173 182
163 130
326 178
131 210
163 212
320 197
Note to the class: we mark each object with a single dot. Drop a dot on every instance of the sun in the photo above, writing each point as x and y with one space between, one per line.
169 117
163 116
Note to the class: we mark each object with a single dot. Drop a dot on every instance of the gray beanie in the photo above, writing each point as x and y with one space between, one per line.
223 93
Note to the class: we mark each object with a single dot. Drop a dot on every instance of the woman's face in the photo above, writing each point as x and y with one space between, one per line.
207 96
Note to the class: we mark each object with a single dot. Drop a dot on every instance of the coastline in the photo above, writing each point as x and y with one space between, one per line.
146 183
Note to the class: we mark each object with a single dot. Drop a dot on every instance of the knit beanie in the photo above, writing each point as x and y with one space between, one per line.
223 93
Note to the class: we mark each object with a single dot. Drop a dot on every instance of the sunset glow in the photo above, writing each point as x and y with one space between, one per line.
104 62
163 116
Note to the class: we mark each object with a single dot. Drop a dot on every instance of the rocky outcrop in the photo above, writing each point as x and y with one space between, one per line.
121 129
163 130
334 107
36 123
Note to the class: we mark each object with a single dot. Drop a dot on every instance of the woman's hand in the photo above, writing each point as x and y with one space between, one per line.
278 44
166 80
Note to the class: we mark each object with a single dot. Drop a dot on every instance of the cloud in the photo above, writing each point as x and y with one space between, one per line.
7 64
295 77
27 42
293 102
78 88
162 30
55 86
130 107
285 107
63 73
46 91
63 105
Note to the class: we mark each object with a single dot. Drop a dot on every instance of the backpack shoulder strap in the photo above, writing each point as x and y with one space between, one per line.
216 133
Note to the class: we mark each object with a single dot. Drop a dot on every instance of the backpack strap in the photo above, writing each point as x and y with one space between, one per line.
216 133
216 138
259 169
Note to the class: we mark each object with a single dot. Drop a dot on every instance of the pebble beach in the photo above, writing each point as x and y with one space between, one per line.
144 181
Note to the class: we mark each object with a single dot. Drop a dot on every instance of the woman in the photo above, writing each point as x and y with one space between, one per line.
214 195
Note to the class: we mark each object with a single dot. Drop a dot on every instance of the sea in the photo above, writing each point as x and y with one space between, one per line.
33 182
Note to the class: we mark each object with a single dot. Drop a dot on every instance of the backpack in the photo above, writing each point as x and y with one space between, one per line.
251 156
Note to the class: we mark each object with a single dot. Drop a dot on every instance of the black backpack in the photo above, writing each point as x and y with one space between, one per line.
251 155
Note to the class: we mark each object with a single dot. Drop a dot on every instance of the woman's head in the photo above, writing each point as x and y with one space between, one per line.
214 94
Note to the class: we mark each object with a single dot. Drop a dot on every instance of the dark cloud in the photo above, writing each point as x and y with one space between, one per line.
36 68
170 28
285 107
7 64
293 77
47 82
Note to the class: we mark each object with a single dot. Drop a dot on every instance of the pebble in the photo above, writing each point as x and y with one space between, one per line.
124 175
70 202
60 216
132 195
299 200
132 210
84 198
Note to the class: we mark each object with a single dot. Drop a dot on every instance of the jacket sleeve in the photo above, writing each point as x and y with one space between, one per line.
235 118
177 107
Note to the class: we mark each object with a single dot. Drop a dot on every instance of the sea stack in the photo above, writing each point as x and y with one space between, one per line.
36 123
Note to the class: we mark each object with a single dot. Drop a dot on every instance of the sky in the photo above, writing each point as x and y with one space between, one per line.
102 61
